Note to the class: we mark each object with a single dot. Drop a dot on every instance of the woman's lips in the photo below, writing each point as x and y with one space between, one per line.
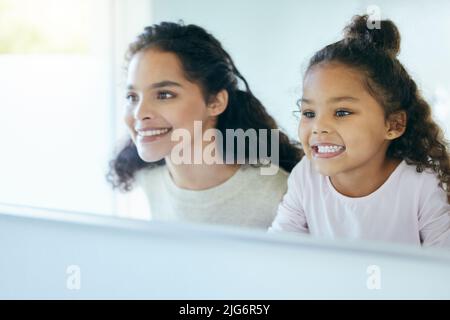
152 135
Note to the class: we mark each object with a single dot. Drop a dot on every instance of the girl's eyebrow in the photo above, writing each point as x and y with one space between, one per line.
161 84
343 98
332 100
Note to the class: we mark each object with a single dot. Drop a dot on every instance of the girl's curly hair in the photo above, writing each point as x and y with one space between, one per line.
373 51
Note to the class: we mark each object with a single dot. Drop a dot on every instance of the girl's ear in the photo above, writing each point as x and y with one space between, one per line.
218 104
396 125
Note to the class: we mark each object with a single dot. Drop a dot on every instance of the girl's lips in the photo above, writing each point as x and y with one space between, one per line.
327 150
146 139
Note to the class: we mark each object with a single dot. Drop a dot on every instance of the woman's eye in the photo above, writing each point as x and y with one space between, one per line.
296 114
343 113
132 98
308 114
163 95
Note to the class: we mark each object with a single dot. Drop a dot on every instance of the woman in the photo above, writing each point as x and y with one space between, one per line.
180 79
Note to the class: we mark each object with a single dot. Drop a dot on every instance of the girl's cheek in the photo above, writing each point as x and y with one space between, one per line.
302 131
299 131
303 136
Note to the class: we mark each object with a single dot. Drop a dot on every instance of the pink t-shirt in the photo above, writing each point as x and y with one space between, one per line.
409 207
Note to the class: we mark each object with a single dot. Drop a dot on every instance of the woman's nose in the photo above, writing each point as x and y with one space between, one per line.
144 110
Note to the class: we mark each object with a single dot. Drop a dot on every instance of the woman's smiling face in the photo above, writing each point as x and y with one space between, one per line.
342 127
160 99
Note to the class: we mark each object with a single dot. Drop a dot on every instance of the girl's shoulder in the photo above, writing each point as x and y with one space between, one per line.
424 182
304 177
419 185
409 173
304 169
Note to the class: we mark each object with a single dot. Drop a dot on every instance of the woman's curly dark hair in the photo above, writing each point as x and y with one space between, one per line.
206 63
373 51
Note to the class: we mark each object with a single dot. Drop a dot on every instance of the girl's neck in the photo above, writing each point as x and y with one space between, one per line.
365 180
200 176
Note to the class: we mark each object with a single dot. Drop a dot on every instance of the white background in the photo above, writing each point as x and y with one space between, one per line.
60 116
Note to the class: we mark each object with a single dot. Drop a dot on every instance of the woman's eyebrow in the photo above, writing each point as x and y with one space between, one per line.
156 85
165 83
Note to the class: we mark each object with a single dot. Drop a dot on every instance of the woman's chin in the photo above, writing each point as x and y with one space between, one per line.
151 156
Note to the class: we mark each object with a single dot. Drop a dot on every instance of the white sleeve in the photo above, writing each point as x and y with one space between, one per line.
290 214
434 216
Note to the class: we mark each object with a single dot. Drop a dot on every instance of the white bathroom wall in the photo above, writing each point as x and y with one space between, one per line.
55 128
60 109
61 115
271 41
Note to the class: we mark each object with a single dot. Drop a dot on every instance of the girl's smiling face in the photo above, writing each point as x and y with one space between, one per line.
342 127
160 99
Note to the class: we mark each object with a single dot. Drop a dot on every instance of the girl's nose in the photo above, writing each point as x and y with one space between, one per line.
320 131
321 126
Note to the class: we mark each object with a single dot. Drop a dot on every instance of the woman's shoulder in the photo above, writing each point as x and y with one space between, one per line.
251 173
255 178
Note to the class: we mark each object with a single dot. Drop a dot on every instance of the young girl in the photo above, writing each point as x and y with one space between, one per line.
377 165
178 76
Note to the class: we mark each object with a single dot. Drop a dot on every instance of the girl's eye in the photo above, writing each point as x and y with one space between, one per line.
308 114
163 95
343 113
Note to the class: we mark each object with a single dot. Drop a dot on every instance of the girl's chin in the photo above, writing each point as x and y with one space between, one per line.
325 170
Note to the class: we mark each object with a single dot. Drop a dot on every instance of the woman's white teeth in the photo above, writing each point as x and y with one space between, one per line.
153 132
329 149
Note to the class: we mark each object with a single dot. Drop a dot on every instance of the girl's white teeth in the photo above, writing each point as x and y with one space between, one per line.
329 149
153 132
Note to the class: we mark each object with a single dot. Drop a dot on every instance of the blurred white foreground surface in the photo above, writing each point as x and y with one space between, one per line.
48 254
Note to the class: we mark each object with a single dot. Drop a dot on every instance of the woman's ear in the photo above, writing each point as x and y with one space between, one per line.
218 103
396 125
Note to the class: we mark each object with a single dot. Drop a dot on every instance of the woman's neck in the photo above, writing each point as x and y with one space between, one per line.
200 176
363 181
